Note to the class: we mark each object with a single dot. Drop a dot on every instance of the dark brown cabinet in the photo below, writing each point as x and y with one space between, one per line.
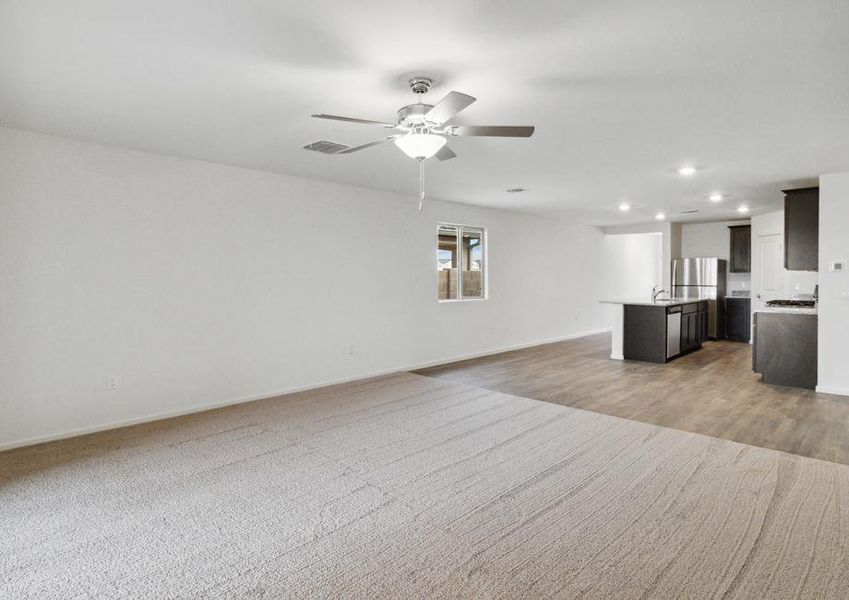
785 349
689 327
740 260
693 326
801 229
738 312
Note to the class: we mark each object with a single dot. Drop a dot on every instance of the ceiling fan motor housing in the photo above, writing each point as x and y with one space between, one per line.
420 85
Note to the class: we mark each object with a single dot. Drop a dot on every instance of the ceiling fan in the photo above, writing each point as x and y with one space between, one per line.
421 131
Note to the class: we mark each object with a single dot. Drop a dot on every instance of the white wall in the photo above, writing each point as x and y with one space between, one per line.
195 284
700 240
833 375
670 235
633 265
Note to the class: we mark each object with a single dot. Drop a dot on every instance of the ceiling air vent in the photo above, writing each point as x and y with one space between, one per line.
326 147
689 211
516 190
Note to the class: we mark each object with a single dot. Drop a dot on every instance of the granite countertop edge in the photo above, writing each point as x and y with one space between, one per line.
787 310
659 303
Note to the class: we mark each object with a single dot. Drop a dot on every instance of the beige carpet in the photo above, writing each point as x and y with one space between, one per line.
411 487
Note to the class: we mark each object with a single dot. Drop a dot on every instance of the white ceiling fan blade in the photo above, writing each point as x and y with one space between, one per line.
353 120
492 130
368 145
445 153
449 106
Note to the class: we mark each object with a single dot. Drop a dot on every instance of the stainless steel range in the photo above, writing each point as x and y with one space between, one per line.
792 303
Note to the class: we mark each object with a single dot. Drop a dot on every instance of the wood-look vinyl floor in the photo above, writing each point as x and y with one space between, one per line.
416 487
712 391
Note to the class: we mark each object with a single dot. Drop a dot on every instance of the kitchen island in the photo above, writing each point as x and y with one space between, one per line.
657 331
784 349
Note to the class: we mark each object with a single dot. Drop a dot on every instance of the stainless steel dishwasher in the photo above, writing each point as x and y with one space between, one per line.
673 331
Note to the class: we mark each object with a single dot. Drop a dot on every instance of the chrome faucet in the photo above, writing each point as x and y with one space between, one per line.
655 292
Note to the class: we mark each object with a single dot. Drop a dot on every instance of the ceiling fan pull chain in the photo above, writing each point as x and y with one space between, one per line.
421 183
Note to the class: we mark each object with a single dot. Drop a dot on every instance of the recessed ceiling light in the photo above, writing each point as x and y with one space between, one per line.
660 216
686 170
716 197
743 209
624 207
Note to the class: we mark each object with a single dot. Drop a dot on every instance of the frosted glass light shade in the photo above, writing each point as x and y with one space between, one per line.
420 145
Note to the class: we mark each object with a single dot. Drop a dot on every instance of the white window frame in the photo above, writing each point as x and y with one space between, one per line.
484 263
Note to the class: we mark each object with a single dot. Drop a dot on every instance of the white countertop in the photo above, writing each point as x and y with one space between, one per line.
789 310
644 302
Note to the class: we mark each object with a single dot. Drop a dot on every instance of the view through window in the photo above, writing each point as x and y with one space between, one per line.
460 259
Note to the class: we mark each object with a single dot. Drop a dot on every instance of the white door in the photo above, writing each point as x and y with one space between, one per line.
767 269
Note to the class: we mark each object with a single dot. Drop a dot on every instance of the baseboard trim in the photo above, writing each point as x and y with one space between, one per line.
204 407
437 363
827 389
150 418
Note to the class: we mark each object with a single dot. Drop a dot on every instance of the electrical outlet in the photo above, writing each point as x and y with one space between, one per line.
111 383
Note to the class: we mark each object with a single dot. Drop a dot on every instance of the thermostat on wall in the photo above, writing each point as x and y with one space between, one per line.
837 266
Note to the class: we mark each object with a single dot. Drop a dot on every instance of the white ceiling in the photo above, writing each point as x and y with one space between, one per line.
755 93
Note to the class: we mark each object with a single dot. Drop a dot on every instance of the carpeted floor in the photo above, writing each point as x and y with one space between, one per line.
410 487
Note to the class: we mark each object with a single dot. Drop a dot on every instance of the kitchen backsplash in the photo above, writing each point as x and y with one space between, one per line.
795 282
799 282
738 281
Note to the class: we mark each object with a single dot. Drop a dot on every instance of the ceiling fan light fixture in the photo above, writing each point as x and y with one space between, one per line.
420 131
420 145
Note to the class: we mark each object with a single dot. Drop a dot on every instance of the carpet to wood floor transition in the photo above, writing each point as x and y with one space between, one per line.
411 487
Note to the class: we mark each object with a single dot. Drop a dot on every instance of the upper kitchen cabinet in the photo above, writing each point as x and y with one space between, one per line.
740 260
801 229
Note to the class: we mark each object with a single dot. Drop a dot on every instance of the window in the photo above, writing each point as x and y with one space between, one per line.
460 262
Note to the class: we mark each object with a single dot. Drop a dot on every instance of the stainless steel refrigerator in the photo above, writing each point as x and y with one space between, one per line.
702 279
